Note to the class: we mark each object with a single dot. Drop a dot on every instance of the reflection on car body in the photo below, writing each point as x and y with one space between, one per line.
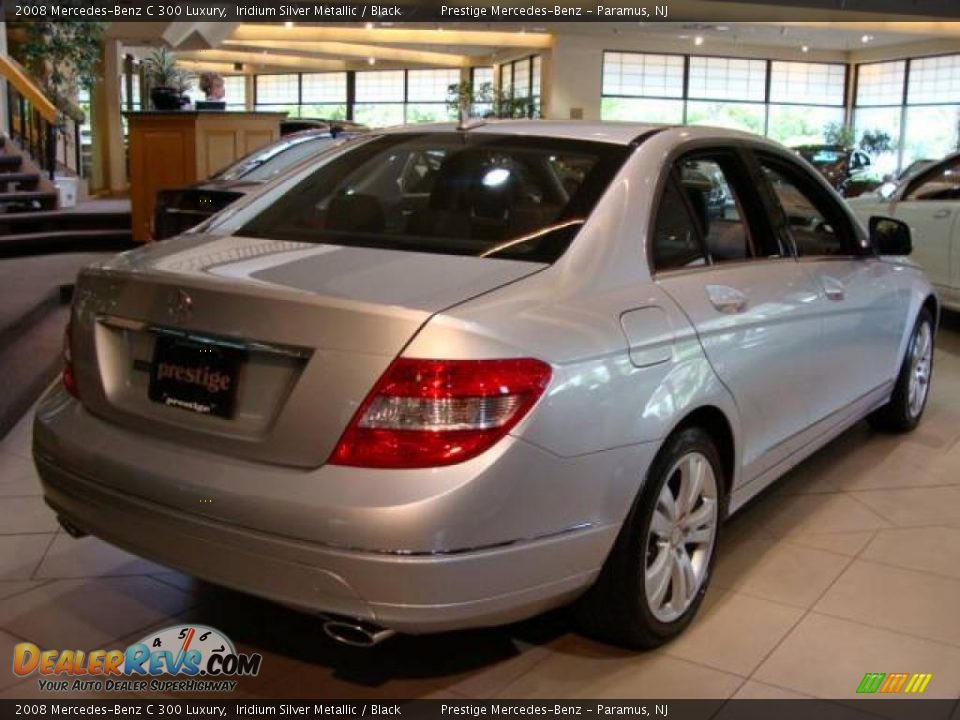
441 378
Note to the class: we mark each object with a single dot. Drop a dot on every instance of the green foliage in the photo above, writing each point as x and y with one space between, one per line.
62 57
161 70
466 101
837 133
876 142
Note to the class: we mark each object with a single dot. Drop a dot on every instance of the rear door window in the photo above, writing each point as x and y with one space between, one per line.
481 194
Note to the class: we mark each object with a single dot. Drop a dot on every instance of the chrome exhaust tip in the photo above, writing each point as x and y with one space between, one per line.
71 529
356 633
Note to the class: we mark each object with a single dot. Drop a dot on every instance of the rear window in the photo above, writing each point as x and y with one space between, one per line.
456 193
266 163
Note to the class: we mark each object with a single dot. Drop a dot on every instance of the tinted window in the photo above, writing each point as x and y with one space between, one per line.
816 226
717 209
453 193
676 240
266 163
940 183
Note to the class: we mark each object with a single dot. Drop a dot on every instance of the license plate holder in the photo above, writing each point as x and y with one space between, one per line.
195 376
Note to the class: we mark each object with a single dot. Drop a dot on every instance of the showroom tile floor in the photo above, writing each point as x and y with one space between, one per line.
848 565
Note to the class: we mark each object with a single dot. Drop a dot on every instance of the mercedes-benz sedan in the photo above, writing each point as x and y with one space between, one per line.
449 377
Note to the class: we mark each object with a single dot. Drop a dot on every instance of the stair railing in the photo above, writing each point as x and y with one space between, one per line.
32 120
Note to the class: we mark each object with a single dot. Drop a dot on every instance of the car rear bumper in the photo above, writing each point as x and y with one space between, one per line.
415 594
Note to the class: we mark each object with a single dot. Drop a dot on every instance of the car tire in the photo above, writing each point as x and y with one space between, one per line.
629 605
910 394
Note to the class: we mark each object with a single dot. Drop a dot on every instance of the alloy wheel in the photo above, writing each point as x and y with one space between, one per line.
680 541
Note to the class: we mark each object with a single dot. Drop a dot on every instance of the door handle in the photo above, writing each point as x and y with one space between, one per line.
942 213
726 299
833 288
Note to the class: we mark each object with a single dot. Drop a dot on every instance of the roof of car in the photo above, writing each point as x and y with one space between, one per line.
622 133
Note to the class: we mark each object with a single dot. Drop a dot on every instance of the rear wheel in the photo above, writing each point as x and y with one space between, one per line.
909 397
657 573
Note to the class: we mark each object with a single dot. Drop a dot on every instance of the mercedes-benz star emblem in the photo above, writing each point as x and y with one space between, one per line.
180 307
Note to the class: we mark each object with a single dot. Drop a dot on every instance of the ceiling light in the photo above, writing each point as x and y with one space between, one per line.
369 26
371 61
698 40
866 38
288 23
805 48
722 28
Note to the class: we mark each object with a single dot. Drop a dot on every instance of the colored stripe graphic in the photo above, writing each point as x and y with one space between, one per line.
918 683
871 682
893 683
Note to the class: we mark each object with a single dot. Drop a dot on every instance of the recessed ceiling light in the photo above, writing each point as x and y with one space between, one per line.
369 26
698 40
722 28
288 23
866 38
371 61
805 48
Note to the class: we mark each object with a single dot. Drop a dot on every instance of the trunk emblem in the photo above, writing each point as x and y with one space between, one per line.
180 306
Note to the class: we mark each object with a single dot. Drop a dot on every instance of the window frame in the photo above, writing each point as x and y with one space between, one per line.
755 210
812 189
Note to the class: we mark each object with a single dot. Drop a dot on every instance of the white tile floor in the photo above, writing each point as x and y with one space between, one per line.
850 564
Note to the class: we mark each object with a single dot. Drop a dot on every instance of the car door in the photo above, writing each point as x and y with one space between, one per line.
750 302
858 301
930 205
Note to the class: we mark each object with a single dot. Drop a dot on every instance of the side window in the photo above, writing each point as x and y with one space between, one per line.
942 183
717 210
808 216
676 240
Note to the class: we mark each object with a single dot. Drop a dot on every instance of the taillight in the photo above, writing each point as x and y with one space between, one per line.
427 413
68 377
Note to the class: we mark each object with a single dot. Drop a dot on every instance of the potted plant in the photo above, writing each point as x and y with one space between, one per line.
168 82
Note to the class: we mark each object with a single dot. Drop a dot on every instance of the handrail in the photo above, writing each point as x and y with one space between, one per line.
16 76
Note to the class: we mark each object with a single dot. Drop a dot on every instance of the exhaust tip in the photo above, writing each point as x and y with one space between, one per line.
71 529
356 633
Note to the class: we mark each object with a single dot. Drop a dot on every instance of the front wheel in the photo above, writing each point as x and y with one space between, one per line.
909 397
657 573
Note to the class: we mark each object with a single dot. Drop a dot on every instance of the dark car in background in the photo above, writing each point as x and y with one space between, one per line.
178 210
849 170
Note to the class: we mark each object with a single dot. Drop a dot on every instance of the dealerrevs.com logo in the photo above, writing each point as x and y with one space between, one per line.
205 657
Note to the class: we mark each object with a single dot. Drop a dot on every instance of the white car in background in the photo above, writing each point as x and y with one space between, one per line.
929 202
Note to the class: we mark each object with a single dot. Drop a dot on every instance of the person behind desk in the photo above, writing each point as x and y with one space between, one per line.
212 85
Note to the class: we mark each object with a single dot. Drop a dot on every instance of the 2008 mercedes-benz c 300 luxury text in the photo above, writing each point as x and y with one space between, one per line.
444 377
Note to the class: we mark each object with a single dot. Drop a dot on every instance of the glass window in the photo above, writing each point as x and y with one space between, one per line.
812 233
379 86
235 92
482 75
930 132
807 83
521 78
934 80
801 124
718 78
642 110
536 73
716 209
642 75
736 116
431 85
378 115
880 83
450 193
676 240
278 89
324 88
939 183
880 120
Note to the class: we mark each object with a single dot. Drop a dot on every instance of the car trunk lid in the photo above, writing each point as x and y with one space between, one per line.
301 331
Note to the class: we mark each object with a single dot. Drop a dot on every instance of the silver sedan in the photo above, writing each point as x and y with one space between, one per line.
448 377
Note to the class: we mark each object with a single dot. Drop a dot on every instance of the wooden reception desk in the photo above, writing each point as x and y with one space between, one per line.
178 148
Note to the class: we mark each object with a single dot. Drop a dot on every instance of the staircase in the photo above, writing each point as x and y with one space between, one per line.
23 188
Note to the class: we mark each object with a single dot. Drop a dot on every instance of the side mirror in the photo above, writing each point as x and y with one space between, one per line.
890 237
